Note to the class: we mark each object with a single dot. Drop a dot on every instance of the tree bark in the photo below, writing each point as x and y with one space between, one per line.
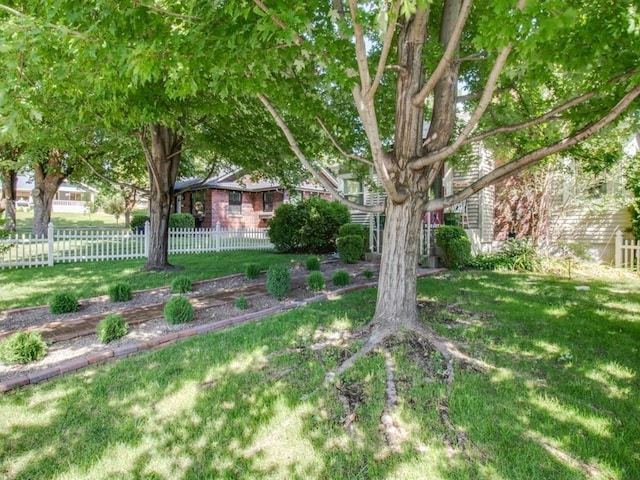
9 178
163 159
48 176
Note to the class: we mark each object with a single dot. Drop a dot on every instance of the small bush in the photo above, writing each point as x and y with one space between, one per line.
519 255
252 271
350 248
63 302
241 303
182 220
137 222
454 245
120 292
178 310
368 274
341 278
315 281
278 280
22 347
313 263
356 229
111 327
181 284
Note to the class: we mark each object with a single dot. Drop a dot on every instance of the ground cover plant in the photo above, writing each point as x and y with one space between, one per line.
549 390
35 286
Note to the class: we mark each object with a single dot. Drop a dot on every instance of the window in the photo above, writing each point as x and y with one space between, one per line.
267 201
353 191
235 203
197 204
74 197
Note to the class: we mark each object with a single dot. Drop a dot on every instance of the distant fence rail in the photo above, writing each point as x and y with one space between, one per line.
627 253
64 245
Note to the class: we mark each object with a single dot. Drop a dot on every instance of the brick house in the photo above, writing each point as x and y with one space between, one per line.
236 201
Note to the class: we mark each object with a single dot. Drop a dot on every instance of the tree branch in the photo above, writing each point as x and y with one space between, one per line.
386 47
352 156
110 180
63 29
298 39
447 57
533 157
361 49
169 13
303 159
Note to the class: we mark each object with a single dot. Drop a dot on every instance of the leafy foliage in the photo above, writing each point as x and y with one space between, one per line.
120 292
633 185
341 278
63 302
181 284
350 248
356 229
182 220
111 327
315 281
313 263
22 347
241 303
138 221
368 274
278 280
519 255
307 227
178 310
455 246
252 271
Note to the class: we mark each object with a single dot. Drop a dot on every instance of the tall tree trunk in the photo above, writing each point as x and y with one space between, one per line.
48 176
9 179
163 159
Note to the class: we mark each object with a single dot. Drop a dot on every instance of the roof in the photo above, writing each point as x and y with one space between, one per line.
28 184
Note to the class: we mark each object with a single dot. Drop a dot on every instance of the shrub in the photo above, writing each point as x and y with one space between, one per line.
111 327
63 302
307 227
315 281
138 221
519 255
241 303
350 248
356 229
278 280
313 263
367 274
22 347
252 271
182 220
455 246
341 278
452 218
178 310
181 284
120 292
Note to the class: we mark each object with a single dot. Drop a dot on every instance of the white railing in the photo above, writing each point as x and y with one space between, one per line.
627 253
62 245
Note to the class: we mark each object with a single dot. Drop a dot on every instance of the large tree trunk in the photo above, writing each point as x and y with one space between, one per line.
9 179
163 159
48 176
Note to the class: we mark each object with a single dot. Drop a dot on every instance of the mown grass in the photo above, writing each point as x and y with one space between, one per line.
24 219
559 399
34 286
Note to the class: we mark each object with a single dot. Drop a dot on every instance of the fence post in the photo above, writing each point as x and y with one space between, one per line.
147 227
50 243
618 253
217 249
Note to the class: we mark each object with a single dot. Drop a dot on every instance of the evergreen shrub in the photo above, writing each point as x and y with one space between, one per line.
181 284
120 292
138 221
341 278
313 263
241 303
454 245
63 302
356 229
315 281
368 274
252 271
278 280
350 248
111 327
182 220
22 347
178 310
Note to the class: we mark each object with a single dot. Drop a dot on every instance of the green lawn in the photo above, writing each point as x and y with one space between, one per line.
559 399
24 219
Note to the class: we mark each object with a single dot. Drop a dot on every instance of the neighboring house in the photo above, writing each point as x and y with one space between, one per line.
69 198
234 200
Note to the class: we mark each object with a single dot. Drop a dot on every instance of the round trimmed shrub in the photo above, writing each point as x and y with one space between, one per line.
356 229
178 310
63 302
313 263
315 281
182 220
350 248
137 223
241 303
120 292
278 280
252 271
111 327
454 245
181 284
368 274
341 278
22 347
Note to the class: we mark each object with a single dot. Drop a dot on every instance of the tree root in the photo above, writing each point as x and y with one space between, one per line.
391 429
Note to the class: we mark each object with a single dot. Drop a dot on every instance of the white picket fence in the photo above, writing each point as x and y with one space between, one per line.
64 245
627 253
